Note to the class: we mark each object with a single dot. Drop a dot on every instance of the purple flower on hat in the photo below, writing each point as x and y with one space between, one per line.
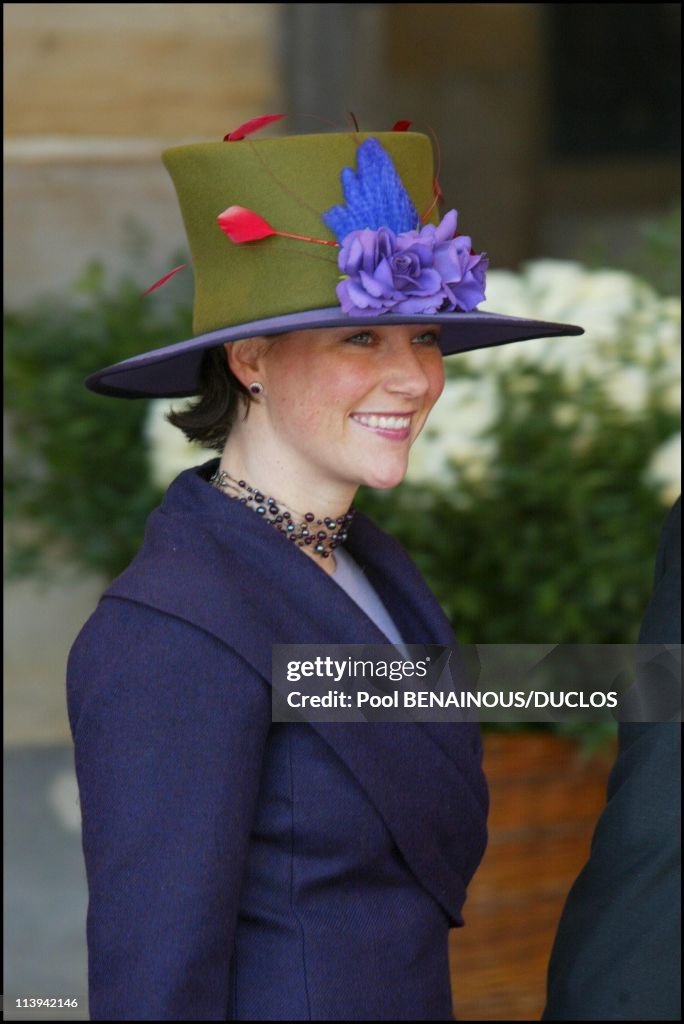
390 264
420 271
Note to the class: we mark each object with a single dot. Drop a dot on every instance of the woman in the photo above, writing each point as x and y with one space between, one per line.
240 868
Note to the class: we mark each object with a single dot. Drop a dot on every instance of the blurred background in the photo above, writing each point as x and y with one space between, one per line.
547 466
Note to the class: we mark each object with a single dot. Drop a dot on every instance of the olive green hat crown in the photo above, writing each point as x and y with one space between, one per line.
289 181
383 258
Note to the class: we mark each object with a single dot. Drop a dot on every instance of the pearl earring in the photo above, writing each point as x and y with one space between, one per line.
256 388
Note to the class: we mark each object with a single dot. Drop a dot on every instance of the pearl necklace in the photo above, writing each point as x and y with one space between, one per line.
321 535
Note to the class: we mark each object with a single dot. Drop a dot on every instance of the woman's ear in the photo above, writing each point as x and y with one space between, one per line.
244 358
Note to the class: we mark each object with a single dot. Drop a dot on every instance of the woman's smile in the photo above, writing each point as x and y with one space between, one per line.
394 426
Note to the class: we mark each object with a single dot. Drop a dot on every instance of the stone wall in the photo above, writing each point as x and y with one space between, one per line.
93 93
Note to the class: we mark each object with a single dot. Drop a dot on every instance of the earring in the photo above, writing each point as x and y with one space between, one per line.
256 388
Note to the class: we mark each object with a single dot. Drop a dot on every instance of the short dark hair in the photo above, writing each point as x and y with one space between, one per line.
209 418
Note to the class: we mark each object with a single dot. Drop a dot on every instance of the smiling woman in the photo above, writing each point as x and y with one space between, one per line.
240 868
348 419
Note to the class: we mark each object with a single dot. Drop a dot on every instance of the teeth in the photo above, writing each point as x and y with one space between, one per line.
385 422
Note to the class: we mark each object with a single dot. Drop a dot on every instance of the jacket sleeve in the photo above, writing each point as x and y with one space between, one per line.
617 954
169 729
617 951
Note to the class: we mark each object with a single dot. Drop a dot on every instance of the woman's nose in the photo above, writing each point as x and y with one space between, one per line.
407 374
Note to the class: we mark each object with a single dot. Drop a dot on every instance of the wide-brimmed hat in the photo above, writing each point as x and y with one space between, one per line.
314 231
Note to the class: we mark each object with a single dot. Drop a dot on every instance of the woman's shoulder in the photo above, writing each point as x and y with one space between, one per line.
124 631
128 650
194 551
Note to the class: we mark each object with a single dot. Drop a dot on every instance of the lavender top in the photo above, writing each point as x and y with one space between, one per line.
354 582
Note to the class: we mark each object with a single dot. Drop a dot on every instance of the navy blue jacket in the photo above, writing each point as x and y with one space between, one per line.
241 869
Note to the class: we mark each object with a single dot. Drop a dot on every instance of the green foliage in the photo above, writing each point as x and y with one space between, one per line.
661 262
77 476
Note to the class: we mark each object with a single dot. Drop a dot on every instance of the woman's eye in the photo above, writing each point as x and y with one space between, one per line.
428 338
362 338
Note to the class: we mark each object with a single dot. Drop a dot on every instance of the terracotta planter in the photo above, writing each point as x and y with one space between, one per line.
546 797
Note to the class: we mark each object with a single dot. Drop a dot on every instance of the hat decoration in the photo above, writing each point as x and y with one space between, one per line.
389 263
254 125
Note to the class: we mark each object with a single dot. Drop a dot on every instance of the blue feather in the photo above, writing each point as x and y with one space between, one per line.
375 196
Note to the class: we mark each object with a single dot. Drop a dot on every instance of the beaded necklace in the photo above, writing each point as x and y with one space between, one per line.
305 530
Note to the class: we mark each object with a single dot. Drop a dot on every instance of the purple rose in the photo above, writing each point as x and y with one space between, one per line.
422 271
463 273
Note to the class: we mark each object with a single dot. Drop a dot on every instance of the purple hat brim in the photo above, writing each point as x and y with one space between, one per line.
174 370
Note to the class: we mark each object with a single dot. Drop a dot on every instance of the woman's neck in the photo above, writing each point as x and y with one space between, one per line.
309 507
298 487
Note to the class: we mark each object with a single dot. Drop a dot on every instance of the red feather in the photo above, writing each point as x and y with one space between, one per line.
164 279
251 126
402 126
243 225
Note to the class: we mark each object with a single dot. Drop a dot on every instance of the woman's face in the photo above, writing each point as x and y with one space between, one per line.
342 406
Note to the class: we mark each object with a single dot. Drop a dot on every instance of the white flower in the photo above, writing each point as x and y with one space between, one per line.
630 346
671 396
506 291
665 470
671 312
453 431
565 415
169 452
606 297
624 320
553 287
628 387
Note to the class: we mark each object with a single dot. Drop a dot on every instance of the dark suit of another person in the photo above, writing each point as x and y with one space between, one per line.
617 954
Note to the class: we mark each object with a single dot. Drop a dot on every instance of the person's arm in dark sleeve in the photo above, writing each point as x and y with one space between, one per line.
617 953
169 729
